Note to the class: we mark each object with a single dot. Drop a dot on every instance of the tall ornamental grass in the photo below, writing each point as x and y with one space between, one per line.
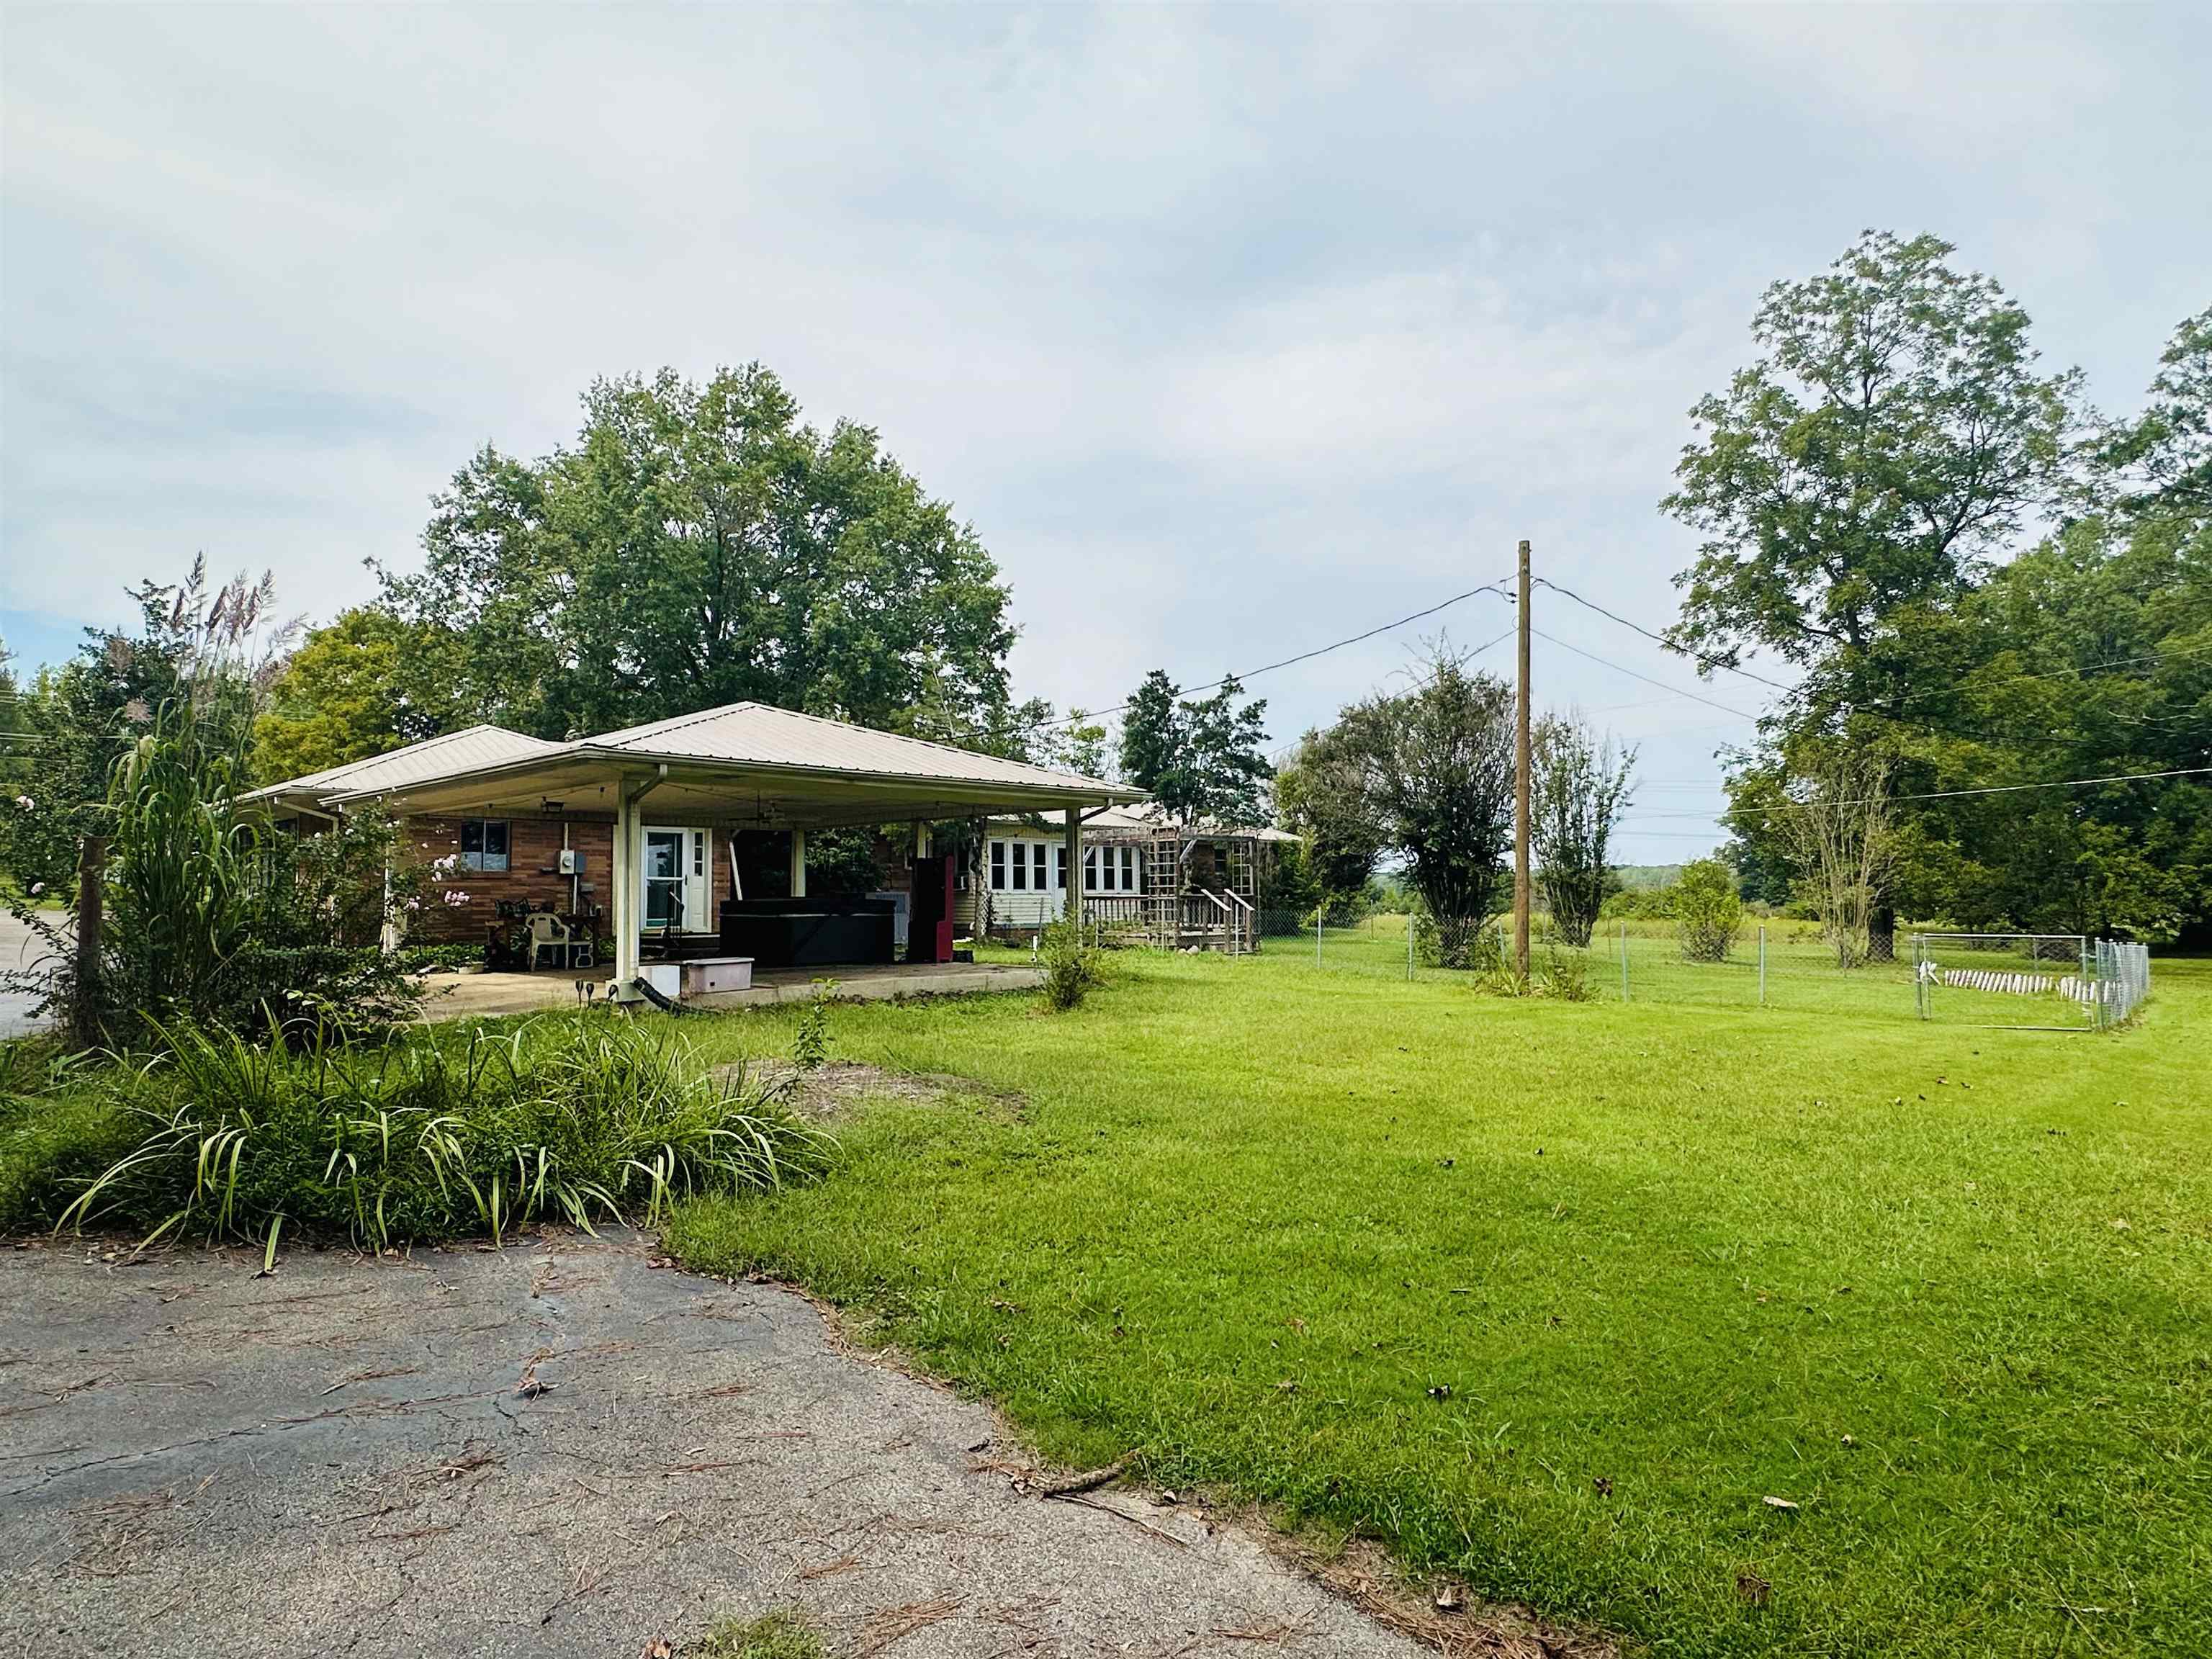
420 1136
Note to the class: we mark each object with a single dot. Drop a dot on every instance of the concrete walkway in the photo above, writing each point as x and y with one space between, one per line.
557 1449
458 996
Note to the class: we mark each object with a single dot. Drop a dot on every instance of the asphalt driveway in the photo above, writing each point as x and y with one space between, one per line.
555 1449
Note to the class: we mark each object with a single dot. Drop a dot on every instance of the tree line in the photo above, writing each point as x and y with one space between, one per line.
1977 581
1969 579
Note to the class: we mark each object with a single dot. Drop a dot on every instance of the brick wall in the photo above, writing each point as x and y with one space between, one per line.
532 876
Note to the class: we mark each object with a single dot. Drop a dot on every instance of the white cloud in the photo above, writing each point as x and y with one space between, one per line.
1231 331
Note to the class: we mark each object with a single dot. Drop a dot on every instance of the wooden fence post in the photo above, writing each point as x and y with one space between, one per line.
84 1003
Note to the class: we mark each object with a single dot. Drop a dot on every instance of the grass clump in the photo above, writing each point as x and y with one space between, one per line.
1071 969
783 1634
422 1135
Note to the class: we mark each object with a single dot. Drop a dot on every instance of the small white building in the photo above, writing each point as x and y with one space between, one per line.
1184 885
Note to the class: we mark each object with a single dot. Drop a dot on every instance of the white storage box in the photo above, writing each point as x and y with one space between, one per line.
704 976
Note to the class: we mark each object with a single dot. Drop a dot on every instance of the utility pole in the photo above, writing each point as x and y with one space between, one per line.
1520 788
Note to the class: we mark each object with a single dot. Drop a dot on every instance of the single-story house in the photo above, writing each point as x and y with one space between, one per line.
688 835
1183 885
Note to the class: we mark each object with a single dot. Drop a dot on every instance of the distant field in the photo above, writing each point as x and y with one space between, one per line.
1556 1295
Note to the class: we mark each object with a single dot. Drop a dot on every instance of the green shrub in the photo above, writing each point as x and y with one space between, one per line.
213 917
423 1136
1708 910
54 1139
1071 969
1561 975
1466 943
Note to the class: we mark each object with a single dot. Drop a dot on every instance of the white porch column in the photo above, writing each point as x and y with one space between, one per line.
629 856
921 838
624 879
798 864
1072 898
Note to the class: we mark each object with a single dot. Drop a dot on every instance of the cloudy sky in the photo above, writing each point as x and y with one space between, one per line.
1232 331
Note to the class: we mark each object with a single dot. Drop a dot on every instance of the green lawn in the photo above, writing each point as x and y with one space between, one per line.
1949 1290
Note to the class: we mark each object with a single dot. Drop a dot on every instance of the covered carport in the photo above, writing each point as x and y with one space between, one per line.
750 766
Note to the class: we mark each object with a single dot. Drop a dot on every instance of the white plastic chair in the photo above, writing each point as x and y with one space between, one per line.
551 933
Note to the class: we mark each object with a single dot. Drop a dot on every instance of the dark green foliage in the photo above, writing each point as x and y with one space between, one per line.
1287 887
698 545
1326 795
194 643
1469 944
1580 784
1440 765
842 863
415 1137
1861 488
212 917
1201 761
1892 433
1071 969
1708 910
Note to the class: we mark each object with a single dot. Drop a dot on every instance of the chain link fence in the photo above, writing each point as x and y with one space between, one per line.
2042 982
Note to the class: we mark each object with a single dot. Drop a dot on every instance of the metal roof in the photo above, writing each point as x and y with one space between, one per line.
746 763
467 749
760 734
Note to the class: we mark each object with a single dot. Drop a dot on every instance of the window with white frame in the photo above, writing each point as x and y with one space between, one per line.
1128 869
1037 865
1060 867
998 866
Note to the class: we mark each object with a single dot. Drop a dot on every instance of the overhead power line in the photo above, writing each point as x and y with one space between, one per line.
1619 668
1723 663
1948 794
1303 656
1708 661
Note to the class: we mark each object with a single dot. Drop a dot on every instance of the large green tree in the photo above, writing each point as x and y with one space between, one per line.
1199 759
1884 445
697 545
2088 655
1579 786
361 685
1325 796
1439 773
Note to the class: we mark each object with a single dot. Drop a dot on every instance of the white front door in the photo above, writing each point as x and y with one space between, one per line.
673 887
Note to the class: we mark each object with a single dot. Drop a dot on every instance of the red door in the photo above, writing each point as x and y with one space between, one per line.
929 926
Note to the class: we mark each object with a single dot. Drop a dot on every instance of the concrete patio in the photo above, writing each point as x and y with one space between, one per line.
464 996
